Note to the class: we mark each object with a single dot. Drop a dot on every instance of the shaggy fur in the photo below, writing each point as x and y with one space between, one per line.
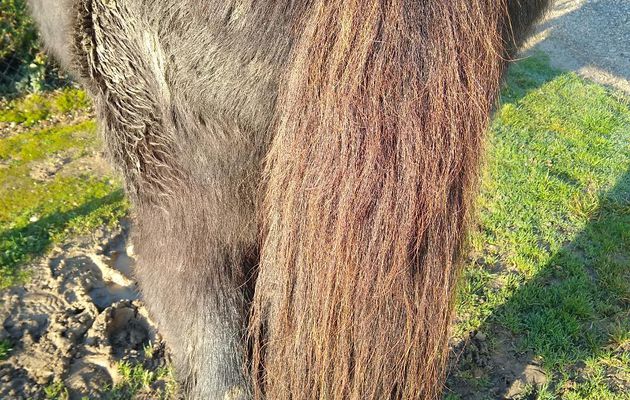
368 116
369 183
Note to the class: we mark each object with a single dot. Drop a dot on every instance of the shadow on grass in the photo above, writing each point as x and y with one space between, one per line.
526 75
19 245
571 319
574 312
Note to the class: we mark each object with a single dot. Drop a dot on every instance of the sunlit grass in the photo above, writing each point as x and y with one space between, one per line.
37 213
551 255
33 108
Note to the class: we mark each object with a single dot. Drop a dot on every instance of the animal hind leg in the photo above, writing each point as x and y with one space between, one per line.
194 281
190 185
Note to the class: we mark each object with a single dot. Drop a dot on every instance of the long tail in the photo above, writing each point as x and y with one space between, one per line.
369 185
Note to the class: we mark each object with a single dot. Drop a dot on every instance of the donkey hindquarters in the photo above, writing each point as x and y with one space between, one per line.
185 92
373 156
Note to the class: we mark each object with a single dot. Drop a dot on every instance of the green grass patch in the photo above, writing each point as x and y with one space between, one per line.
34 145
36 214
551 257
137 380
33 108
5 349
56 391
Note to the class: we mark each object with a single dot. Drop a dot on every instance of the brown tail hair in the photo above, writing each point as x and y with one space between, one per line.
369 185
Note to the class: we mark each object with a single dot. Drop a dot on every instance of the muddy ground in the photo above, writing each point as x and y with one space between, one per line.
77 317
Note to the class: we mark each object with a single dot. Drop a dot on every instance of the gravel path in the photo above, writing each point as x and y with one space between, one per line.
590 37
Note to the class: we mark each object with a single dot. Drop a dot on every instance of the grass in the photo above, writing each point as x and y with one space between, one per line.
551 256
550 262
36 214
56 391
5 349
135 379
33 108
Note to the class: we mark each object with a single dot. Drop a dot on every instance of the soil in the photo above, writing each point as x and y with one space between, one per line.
483 369
76 317
66 163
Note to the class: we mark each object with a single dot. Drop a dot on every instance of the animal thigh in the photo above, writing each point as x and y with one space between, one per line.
185 98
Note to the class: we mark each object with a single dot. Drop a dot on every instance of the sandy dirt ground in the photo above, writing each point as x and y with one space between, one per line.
80 313
590 37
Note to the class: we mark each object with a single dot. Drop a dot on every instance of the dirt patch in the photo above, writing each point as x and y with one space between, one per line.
68 163
43 170
482 369
94 164
590 37
77 317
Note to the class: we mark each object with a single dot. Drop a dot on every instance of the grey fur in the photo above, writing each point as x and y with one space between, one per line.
185 92
185 99
54 21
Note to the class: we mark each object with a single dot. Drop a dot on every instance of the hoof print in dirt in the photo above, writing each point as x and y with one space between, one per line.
75 322
124 328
